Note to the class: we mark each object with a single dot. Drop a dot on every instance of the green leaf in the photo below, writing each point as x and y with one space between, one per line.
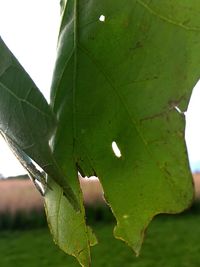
28 123
120 79
26 119
67 226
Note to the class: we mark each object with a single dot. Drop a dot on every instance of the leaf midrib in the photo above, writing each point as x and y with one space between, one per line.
22 100
75 71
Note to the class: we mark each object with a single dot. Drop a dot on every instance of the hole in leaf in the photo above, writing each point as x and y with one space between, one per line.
102 18
116 150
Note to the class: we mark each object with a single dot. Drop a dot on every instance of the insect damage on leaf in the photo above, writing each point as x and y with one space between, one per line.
125 73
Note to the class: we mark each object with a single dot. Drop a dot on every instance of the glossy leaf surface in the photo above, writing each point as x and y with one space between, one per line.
27 120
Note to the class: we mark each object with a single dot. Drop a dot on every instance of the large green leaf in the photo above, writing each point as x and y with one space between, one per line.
27 121
122 70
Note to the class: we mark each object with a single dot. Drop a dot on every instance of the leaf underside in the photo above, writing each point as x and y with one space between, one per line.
121 72
119 79
24 113
28 122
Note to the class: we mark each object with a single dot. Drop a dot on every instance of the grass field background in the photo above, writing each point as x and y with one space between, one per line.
171 240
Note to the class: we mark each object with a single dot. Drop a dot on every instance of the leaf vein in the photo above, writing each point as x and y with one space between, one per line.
110 82
132 120
58 215
168 20
23 100
75 69
62 73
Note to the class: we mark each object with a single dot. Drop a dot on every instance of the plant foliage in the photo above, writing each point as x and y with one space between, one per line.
124 74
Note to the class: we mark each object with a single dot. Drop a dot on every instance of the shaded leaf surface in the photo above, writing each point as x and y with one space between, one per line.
28 123
27 120
120 80
22 105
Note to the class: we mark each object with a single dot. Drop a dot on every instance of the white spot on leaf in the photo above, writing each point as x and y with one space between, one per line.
102 18
116 150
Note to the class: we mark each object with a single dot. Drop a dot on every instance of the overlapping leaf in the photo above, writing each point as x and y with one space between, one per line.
28 123
22 106
122 70
26 118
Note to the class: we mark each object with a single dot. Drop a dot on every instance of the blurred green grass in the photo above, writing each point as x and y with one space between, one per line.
171 241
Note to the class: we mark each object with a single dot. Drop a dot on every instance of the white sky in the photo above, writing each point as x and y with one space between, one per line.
192 132
30 28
